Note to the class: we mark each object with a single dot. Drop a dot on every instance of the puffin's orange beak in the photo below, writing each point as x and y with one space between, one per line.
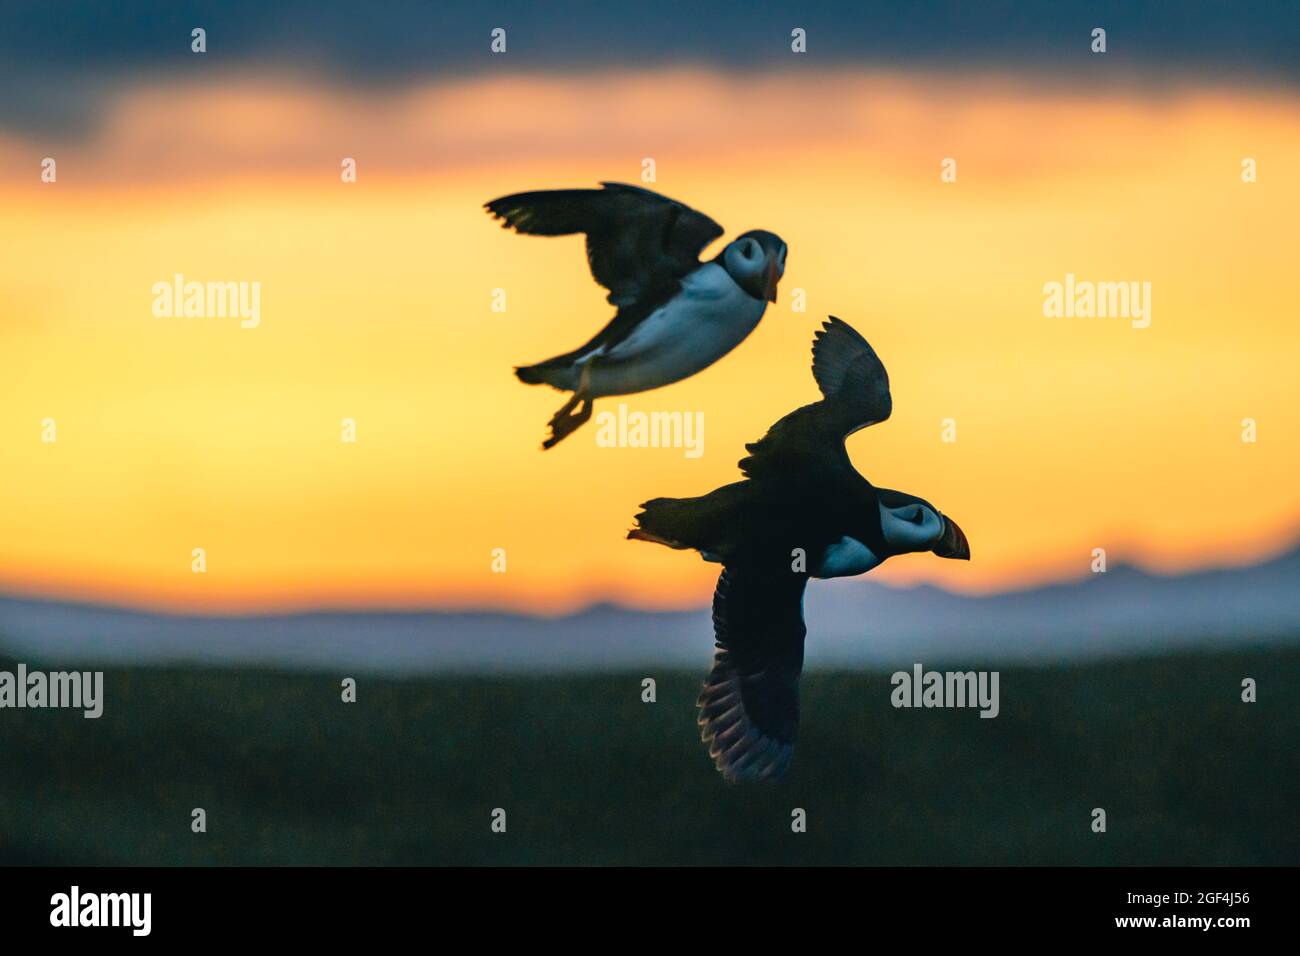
953 544
770 279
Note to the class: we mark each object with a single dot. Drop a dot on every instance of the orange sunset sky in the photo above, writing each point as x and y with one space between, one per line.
376 297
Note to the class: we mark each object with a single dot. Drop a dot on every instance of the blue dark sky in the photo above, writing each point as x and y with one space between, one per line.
59 60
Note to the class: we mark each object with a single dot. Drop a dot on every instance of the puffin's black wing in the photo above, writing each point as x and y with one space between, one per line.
639 243
855 387
749 708
850 374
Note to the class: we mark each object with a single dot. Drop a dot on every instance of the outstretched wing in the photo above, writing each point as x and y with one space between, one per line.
749 708
639 243
855 387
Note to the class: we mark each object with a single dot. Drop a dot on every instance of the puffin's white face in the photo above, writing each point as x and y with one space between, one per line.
756 268
913 526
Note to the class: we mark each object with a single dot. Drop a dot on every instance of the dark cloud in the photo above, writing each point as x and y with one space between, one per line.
58 59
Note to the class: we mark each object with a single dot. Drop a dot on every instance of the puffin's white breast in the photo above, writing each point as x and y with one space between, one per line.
708 318
847 557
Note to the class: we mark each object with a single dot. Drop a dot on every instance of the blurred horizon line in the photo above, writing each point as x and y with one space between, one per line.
307 607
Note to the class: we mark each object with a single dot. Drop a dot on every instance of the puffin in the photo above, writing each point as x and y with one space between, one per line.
675 314
801 511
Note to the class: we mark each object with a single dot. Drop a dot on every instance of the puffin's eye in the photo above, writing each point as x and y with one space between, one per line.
917 516
750 250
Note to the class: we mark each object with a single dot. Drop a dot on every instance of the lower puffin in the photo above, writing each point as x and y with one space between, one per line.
801 511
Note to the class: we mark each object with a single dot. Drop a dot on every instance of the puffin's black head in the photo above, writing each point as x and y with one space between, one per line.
911 524
756 261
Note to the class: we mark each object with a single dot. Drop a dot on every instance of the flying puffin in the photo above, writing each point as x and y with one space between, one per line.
676 315
802 511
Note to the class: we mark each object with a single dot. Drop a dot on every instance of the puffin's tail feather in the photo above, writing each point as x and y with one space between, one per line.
529 374
559 373
666 521
550 373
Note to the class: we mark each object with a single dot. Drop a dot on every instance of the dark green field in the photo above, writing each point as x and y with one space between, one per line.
588 774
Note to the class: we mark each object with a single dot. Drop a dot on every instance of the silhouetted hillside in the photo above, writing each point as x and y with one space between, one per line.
852 624
587 773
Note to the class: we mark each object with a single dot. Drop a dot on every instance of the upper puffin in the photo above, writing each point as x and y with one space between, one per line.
676 315
802 511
